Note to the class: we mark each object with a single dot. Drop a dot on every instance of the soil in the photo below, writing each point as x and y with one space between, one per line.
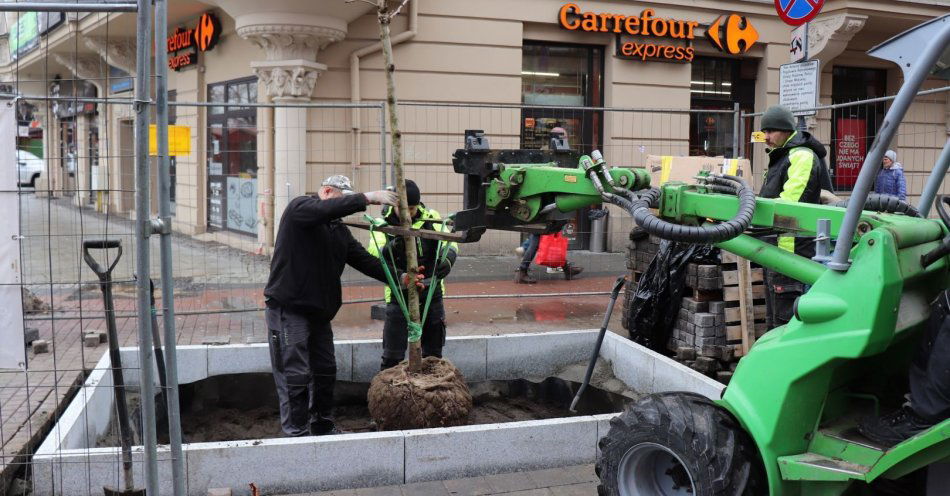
211 417
435 396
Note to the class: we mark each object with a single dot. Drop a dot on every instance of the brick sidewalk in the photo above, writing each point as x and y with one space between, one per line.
578 480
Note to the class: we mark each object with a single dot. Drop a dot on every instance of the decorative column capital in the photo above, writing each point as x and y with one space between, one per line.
829 35
290 41
288 80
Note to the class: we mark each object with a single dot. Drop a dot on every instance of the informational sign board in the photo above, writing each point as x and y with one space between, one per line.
179 141
850 149
798 87
12 345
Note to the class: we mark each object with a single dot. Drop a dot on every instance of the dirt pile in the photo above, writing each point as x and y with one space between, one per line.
437 396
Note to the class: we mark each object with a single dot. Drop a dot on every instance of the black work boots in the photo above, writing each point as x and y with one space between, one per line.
892 428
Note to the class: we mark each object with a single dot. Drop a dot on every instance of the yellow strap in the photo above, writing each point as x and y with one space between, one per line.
666 164
787 243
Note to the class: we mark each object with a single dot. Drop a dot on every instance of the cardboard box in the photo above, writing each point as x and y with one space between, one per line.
665 168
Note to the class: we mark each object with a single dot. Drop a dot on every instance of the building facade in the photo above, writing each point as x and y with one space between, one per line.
513 69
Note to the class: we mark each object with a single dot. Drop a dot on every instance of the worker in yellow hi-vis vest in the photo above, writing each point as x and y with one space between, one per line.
435 261
797 173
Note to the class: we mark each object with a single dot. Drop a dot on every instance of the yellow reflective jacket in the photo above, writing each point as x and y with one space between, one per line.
379 239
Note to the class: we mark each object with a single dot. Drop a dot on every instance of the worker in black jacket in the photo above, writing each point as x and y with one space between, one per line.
796 173
303 294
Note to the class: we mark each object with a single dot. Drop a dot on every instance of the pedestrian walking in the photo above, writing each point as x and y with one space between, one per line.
890 179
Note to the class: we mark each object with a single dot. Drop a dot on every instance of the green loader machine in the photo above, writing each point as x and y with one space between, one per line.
786 423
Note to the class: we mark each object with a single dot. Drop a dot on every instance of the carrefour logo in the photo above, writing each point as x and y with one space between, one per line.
735 34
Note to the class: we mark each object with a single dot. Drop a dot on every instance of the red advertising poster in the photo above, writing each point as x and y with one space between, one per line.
850 148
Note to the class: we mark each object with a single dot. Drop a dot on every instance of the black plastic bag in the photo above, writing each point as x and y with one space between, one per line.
656 302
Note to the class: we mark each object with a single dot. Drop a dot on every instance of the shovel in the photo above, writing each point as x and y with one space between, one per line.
115 360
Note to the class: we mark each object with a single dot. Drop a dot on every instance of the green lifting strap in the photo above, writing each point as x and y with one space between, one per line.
415 328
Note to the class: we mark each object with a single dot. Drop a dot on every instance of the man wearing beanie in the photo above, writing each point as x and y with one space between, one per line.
797 172
391 249
303 294
890 179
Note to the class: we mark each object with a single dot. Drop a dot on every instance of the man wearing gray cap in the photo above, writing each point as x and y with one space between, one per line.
303 294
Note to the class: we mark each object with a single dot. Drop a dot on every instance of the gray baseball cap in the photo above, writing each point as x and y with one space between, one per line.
339 182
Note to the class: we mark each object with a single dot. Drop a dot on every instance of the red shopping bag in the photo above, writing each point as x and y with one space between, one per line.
552 251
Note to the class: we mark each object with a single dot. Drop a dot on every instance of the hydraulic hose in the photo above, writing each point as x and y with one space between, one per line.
884 203
639 209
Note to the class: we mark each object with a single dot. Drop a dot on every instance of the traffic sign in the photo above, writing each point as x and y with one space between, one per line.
798 47
798 12
798 87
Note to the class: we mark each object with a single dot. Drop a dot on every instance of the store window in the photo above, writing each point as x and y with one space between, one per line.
853 129
715 84
559 84
232 157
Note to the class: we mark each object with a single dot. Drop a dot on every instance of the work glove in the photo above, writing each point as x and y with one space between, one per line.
382 197
419 279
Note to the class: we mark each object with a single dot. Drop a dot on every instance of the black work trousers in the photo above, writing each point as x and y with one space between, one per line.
396 332
780 294
304 366
930 368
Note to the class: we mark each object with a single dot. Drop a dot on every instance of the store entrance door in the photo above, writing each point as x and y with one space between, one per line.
559 85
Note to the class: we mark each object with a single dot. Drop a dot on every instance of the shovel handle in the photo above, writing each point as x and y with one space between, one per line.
101 244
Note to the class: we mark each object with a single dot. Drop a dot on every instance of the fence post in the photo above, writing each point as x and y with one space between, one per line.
165 239
142 231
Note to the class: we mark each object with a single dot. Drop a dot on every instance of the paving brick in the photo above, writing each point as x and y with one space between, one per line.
40 346
432 488
704 319
691 305
517 481
472 486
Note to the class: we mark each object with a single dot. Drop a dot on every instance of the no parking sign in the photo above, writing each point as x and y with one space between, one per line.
798 12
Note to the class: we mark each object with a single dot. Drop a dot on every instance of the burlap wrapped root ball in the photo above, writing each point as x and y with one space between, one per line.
437 396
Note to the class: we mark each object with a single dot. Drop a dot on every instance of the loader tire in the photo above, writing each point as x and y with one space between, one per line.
678 443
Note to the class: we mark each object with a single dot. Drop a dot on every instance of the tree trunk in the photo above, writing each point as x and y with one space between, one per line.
415 347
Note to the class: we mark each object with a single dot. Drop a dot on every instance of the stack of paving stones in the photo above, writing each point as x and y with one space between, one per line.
701 336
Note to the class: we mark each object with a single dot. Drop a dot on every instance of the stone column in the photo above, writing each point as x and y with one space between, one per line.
288 76
289 83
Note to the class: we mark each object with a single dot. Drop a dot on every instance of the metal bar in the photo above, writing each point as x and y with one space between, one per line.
130 101
382 145
937 175
67 7
735 130
142 230
276 105
892 120
774 258
165 244
565 107
859 102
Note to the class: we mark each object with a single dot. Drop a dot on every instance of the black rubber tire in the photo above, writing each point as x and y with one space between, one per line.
718 455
